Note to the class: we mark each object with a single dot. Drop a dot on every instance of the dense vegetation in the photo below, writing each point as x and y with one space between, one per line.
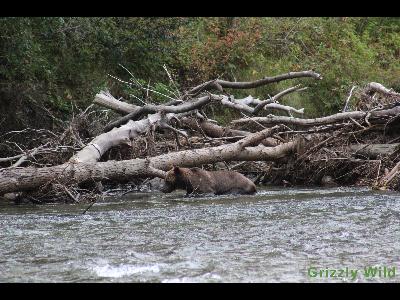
49 65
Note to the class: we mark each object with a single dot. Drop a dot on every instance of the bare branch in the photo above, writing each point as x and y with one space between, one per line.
377 87
339 117
254 84
150 108
348 99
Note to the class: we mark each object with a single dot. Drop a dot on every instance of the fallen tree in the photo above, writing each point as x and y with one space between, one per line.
22 179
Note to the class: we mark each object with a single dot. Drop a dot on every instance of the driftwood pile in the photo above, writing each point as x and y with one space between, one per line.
89 156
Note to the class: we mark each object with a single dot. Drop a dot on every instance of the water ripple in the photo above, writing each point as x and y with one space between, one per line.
273 236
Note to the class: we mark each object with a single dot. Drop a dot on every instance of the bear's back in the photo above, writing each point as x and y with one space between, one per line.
222 182
233 182
199 181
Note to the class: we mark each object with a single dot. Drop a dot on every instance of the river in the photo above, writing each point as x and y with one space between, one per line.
277 235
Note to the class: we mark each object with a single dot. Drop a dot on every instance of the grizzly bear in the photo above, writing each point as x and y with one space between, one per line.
198 181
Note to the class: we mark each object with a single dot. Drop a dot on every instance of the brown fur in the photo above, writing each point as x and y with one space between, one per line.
198 181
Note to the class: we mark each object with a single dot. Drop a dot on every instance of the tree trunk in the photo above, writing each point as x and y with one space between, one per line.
23 179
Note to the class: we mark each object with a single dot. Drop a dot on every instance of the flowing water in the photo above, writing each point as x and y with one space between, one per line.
276 235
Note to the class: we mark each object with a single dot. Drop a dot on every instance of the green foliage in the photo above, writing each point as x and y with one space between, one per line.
58 61
346 51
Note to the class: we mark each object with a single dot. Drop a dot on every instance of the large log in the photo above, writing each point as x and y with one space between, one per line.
25 179
93 151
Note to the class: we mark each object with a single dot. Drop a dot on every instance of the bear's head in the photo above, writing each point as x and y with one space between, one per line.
172 180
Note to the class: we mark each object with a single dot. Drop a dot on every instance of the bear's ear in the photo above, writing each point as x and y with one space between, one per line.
177 170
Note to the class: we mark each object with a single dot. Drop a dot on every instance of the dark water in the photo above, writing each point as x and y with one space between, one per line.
274 236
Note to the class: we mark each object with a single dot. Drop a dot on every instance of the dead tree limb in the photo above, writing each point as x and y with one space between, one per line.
105 99
210 129
348 99
377 87
213 84
202 125
136 112
132 129
215 131
24 158
339 117
124 134
150 108
241 106
383 183
270 102
139 112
